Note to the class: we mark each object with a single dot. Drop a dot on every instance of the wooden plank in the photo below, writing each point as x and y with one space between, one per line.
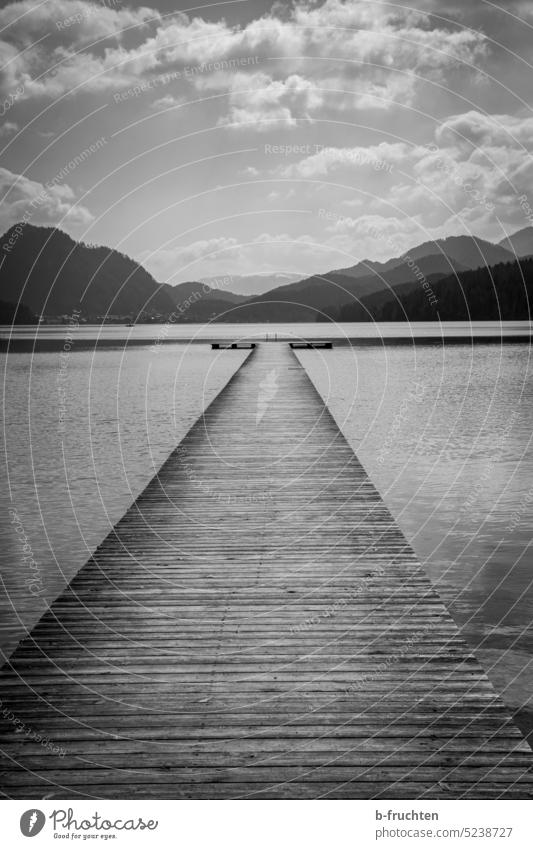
318 343
255 626
225 346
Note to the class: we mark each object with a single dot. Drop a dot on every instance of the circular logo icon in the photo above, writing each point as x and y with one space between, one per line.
32 822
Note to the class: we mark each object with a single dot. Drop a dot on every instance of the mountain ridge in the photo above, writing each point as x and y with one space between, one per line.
502 292
51 274
520 243
466 251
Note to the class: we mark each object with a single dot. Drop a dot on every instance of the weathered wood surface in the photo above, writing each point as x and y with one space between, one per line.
225 345
255 626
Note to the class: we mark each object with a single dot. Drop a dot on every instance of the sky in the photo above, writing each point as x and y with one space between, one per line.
248 137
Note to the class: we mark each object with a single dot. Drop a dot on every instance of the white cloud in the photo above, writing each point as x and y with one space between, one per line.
380 157
31 201
84 45
8 128
473 129
479 165
279 196
363 55
267 252
257 100
166 102
467 180
71 22
170 263
376 236
304 62
345 55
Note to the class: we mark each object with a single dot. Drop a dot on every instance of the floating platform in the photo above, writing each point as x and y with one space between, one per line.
320 343
255 627
222 346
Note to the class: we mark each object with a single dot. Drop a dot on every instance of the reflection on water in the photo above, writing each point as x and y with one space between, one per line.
445 434
69 474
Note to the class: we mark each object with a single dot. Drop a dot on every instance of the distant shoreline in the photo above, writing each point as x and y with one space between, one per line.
28 345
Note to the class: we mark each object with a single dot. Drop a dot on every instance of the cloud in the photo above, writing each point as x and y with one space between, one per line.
72 22
205 258
468 177
376 236
259 101
380 236
168 263
473 129
380 157
278 196
166 102
339 55
301 62
479 164
8 128
83 45
31 201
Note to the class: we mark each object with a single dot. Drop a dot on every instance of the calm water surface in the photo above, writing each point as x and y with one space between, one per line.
325 330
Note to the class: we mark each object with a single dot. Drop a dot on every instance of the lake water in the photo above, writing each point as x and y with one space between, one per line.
84 433
444 432
118 334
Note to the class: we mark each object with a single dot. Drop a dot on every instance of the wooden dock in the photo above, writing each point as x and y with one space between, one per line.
255 626
231 346
317 343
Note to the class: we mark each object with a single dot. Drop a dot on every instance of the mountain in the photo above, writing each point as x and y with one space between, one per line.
13 314
520 243
461 252
372 307
470 251
200 310
251 284
54 275
323 295
502 292
185 294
